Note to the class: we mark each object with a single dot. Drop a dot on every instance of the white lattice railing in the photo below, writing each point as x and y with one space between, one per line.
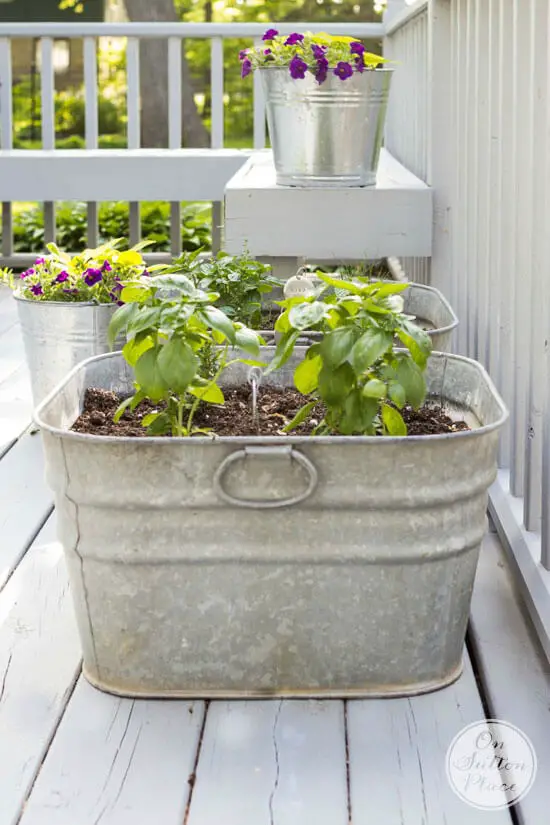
201 178
478 72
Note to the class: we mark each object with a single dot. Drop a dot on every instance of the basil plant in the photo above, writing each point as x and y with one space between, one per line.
358 371
178 344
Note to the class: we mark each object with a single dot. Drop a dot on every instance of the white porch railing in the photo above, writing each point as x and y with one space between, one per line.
473 78
174 34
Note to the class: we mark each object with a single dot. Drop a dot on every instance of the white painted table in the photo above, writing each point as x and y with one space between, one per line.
393 218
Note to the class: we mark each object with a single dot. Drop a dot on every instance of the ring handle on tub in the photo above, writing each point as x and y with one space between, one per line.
266 452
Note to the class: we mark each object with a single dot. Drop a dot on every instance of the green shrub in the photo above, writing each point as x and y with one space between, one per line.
71 223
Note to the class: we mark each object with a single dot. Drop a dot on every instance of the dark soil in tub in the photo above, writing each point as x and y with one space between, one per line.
276 407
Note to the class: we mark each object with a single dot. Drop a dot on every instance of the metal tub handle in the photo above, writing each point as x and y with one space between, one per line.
265 452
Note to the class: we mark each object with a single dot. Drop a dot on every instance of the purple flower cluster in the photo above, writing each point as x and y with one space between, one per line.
305 53
293 39
92 276
343 70
298 68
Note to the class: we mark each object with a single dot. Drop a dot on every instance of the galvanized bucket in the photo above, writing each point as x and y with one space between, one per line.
427 304
57 336
267 566
329 134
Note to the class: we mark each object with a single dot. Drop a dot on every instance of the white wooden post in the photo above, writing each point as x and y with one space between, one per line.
440 140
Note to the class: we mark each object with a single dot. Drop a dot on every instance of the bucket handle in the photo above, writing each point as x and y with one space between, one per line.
265 452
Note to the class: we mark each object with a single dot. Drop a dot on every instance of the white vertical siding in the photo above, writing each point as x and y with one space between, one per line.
498 174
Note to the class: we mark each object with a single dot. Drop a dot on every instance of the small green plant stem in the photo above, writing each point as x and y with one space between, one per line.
198 399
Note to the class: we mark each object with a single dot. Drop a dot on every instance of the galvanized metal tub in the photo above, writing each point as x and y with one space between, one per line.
287 566
57 336
328 134
427 304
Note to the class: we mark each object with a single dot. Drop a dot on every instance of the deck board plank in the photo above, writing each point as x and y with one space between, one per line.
15 407
514 671
275 762
398 753
25 501
117 761
39 662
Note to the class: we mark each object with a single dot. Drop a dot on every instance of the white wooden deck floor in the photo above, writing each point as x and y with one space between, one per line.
70 755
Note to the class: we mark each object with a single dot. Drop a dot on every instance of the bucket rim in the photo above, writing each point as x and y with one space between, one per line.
71 304
296 440
367 70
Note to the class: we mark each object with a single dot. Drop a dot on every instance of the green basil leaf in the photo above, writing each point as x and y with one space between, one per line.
220 322
211 394
336 346
300 416
160 425
120 320
135 347
412 380
375 389
181 283
248 340
306 315
369 348
393 421
148 375
397 394
358 415
335 384
177 364
284 350
306 374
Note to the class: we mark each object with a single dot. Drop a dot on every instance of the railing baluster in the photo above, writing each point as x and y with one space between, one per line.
48 124
216 82
6 136
259 112
522 229
174 131
540 293
92 126
134 124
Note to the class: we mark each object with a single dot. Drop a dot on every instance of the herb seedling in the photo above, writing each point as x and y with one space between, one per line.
239 281
356 370
173 329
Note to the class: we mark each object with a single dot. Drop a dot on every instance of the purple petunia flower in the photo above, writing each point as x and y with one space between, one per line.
146 273
318 52
298 68
343 70
270 34
357 48
322 70
360 63
246 68
106 266
93 276
26 273
62 277
243 54
267 51
293 39
39 261
36 289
